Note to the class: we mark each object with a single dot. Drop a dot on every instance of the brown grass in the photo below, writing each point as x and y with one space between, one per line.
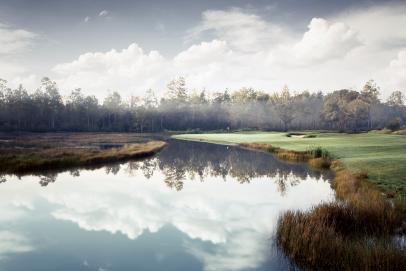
259 147
354 233
292 156
67 140
330 237
320 162
317 158
282 154
34 152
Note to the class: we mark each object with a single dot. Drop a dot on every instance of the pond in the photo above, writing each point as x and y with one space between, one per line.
194 206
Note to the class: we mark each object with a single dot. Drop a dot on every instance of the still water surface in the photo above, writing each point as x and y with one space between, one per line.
195 206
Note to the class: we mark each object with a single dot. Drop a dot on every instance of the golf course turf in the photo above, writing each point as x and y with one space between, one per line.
381 156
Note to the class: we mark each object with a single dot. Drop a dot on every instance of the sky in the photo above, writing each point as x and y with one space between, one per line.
131 46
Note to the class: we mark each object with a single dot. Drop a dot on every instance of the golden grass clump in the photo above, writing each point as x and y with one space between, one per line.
292 156
126 152
282 154
318 157
352 234
259 147
320 162
330 237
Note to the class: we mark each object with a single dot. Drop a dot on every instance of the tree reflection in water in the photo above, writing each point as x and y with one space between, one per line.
188 161
47 179
183 161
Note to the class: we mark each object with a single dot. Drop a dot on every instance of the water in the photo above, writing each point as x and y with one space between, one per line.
195 206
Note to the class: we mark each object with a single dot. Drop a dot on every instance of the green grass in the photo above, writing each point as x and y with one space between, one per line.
383 156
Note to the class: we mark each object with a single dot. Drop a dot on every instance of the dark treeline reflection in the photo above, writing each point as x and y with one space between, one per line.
184 161
196 161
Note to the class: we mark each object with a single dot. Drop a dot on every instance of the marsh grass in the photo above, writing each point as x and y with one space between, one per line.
280 153
19 161
354 233
73 140
322 239
323 163
317 157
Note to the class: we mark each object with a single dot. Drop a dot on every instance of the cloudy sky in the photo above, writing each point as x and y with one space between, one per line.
131 46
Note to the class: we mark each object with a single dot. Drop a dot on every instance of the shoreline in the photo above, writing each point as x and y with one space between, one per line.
22 161
381 155
319 238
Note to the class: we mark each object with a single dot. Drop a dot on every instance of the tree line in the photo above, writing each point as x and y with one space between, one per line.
182 109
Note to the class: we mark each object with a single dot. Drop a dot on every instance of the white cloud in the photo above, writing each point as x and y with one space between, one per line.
13 44
11 242
10 69
397 71
238 253
203 54
242 30
325 41
103 13
379 26
215 65
128 70
400 62
86 19
29 81
383 36
14 40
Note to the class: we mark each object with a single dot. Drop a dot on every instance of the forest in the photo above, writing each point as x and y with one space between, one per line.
184 109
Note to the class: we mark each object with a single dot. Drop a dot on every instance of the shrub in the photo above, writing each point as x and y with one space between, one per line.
310 136
393 124
319 152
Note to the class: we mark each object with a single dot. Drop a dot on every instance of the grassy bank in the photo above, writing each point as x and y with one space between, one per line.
382 156
354 233
27 153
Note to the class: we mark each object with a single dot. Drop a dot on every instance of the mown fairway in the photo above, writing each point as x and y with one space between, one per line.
382 156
